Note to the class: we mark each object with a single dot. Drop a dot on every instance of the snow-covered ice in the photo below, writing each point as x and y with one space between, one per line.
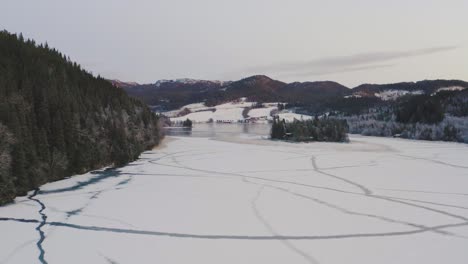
246 199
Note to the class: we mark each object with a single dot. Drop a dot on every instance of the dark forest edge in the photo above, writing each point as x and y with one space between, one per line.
58 120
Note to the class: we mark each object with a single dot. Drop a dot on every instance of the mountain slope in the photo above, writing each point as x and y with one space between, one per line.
312 91
57 120
422 87
174 94
310 97
256 88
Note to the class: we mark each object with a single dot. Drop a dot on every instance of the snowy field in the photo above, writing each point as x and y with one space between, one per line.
244 199
233 112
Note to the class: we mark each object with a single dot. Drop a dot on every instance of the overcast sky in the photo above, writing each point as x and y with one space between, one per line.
348 41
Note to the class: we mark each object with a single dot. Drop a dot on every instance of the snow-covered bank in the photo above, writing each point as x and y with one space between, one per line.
240 111
197 200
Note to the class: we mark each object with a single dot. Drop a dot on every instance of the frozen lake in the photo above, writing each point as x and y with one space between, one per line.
226 194
221 131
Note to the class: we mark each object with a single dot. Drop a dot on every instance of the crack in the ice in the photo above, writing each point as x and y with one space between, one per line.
364 189
435 161
263 171
386 198
81 209
19 220
172 175
101 175
95 195
420 191
109 260
270 228
238 237
255 177
306 170
427 202
368 193
350 166
350 212
42 223
125 182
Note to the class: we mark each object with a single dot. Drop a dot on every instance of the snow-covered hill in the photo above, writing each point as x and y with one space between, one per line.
190 81
391 95
239 111
452 88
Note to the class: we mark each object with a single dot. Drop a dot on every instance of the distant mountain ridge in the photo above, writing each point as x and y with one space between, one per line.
171 94
427 86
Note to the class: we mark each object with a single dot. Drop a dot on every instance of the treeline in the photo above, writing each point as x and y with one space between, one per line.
450 129
420 109
57 120
442 116
318 129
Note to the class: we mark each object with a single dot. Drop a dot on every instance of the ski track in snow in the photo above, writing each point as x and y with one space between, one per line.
182 164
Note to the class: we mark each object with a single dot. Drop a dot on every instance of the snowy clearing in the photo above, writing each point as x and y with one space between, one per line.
290 117
250 200
262 112
391 95
452 88
232 113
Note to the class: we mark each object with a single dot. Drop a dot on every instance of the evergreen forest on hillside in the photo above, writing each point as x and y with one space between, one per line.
57 120
318 129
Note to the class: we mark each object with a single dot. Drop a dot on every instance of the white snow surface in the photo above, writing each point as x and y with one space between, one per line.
189 81
290 117
262 112
196 107
251 200
353 96
389 95
231 112
451 88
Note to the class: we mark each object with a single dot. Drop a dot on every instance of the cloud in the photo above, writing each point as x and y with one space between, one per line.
339 64
318 72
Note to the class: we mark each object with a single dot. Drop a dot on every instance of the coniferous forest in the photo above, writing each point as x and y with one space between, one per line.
318 129
56 119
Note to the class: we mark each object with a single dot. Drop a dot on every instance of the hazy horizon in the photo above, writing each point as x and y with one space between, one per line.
350 43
